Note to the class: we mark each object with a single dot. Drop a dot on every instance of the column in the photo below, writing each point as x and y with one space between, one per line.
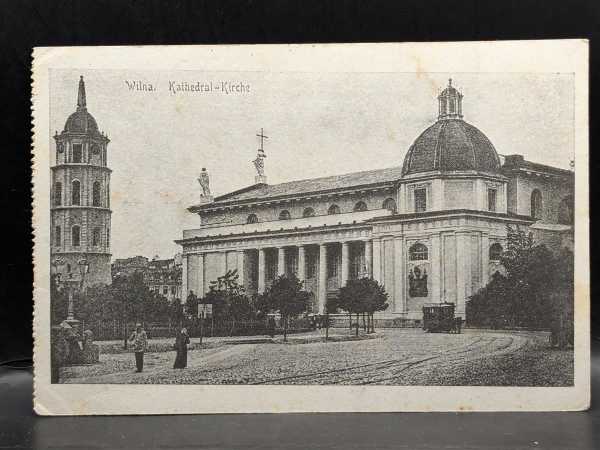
184 278
281 261
399 277
435 268
241 268
369 257
377 259
485 259
345 262
223 262
463 278
301 263
437 195
261 270
402 199
201 287
322 278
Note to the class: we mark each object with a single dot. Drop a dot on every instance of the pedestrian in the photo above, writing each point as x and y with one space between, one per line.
271 326
181 345
140 341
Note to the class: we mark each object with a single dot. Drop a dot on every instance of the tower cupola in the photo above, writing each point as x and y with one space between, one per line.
450 103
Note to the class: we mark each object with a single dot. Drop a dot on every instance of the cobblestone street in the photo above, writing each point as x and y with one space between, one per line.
393 357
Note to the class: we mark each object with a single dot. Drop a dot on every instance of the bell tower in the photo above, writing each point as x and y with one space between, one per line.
80 199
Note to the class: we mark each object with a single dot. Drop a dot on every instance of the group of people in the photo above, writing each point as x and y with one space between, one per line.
139 341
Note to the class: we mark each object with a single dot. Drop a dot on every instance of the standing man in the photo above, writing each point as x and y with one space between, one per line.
139 340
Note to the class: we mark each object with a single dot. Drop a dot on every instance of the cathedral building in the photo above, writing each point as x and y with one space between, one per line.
431 230
80 199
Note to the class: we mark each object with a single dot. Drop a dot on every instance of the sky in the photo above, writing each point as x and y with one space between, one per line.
318 124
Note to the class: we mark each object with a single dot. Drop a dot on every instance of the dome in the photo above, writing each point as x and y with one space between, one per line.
81 121
450 145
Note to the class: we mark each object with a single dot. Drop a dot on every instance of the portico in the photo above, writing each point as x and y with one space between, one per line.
322 261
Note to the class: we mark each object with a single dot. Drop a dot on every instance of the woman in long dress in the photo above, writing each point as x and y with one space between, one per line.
181 342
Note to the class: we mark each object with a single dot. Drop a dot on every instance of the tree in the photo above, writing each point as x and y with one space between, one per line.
58 302
536 292
287 296
228 299
363 295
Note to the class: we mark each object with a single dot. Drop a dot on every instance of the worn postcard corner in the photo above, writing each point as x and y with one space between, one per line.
342 227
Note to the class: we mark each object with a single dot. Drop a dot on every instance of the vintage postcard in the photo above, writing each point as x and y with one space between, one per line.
306 228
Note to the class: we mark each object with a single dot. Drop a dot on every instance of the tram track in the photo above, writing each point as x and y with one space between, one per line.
367 371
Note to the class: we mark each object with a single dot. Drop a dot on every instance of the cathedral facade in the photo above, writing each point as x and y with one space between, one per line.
430 231
80 199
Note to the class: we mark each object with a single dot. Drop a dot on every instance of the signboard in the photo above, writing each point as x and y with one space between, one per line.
205 310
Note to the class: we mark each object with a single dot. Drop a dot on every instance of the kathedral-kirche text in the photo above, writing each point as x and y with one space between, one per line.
431 230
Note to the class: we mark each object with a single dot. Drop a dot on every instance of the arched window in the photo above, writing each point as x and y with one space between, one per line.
57 236
565 211
57 193
496 252
252 218
333 209
418 252
77 153
75 236
75 192
308 212
285 215
390 204
96 237
536 204
360 206
96 194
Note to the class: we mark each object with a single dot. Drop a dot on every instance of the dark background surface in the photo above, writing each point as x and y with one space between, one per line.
25 24
20 429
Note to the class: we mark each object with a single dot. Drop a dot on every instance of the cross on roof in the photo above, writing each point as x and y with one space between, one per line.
262 139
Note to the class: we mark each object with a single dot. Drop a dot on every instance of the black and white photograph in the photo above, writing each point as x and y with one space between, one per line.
331 228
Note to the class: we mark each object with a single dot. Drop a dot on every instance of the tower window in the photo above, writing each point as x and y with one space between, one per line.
285 215
333 209
492 200
96 194
496 252
536 204
57 236
96 237
360 206
418 252
252 218
75 236
77 153
108 238
420 200
308 212
390 205
57 193
75 192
